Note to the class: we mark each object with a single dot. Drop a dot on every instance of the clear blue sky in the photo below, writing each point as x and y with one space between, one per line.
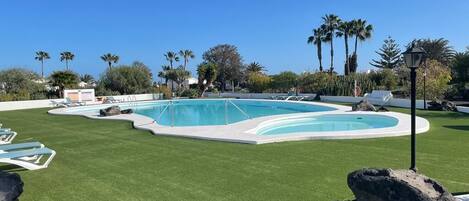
272 32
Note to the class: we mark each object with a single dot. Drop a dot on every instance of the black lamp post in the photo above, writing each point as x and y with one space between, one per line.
413 57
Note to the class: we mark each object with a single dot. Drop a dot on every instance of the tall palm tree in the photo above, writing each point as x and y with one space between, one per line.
171 57
361 31
186 55
67 56
316 39
331 23
41 56
346 30
110 58
255 67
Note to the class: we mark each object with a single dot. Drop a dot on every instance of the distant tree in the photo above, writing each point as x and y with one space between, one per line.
438 77
41 56
390 55
15 80
178 75
87 78
63 80
164 73
186 55
228 62
207 74
361 31
110 58
345 29
66 56
126 79
384 78
255 67
258 82
437 49
460 69
284 81
317 39
171 57
331 24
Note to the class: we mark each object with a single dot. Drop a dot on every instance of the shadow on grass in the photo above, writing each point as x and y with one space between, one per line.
463 128
460 193
12 168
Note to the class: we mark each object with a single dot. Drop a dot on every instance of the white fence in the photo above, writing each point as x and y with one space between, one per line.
396 102
251 95
30 104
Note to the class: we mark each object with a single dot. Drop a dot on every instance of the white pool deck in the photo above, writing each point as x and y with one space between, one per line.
245 131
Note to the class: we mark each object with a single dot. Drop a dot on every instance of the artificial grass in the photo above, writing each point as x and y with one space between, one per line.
109 160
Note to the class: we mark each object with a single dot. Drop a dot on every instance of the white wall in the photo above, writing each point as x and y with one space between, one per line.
29 104
463 109
396 102
250 95
137 97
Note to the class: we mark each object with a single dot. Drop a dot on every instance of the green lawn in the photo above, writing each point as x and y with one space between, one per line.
108 160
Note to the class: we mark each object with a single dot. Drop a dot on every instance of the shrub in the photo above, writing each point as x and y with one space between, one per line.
385 79
167 94
133 79
284 81
20 84
191 93
258 82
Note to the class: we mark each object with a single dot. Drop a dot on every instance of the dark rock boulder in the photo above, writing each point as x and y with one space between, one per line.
110 111
11 186
363 105
442 106
395 185
127 111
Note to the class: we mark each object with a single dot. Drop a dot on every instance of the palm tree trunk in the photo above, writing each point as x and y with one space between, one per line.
347 64
42 69
66 63
320 56
332 55
110 65
356 44
185 63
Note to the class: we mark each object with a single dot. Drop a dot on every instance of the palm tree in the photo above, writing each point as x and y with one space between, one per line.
362 31
437 49
41 56
186 55
67 56
346 30
317 38
63 80
171 57
164 73
255 67
331 23
110 58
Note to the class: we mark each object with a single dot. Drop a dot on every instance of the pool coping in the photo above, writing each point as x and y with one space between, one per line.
245 131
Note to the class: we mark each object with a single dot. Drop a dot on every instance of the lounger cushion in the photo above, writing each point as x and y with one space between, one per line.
23 153
9 147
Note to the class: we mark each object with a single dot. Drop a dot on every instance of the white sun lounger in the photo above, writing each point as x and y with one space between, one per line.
7 136
5 129
15 158
20 146
379 97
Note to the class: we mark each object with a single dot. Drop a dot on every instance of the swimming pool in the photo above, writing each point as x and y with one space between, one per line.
329 122
220 112
255 121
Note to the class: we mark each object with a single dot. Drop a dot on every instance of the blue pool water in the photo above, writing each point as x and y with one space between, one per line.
329 122
220 112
